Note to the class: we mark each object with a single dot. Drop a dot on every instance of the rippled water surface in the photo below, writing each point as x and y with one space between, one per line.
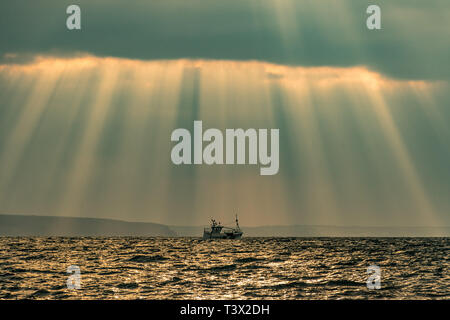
252 268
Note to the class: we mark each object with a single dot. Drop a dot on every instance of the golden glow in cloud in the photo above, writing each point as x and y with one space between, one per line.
137 175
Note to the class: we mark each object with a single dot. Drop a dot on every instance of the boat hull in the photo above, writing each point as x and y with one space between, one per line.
209 235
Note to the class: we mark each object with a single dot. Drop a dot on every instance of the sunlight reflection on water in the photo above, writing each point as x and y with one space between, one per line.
252 268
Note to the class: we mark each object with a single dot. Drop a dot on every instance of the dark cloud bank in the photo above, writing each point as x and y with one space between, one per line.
413 43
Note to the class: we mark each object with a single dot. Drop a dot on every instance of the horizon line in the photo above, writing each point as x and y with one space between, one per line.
201 226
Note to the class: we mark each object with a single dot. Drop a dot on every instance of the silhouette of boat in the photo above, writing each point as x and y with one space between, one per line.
218 231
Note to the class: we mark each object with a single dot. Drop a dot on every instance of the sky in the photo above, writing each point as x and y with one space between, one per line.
86 116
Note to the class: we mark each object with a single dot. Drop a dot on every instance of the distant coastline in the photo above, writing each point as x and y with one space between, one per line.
46 226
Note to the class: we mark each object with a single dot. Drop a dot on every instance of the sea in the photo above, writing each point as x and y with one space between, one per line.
250 268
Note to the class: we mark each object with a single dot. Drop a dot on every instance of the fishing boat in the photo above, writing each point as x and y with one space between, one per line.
218 231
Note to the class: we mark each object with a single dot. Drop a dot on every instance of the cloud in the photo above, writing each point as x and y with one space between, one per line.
411 45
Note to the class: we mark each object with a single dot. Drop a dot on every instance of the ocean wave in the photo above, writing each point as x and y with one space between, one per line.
144 259
130 285
288 285
344 283
228 267
249 259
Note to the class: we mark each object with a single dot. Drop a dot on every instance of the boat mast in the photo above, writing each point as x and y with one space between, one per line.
237 222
